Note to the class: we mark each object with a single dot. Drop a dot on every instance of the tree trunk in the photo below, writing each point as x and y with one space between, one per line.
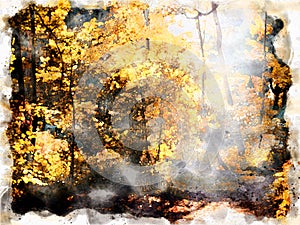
18 72
33 55
220 52
33 68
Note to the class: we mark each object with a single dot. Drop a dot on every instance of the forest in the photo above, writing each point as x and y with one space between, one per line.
111 99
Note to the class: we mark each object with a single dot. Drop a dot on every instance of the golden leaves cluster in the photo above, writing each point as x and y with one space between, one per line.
65 51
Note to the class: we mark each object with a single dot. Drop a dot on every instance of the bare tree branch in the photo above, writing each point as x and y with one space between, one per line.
198 13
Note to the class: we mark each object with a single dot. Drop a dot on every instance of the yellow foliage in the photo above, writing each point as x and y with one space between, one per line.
281 190
257 29
281 75
84 45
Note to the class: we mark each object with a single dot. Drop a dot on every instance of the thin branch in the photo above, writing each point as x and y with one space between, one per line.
146 16
58 49
72 145
198 25
33 55
263 80
215 6
263 77
159 150
52 34
147 22
265 37
200 36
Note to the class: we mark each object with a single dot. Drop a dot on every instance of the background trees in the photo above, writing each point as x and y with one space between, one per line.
54 47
